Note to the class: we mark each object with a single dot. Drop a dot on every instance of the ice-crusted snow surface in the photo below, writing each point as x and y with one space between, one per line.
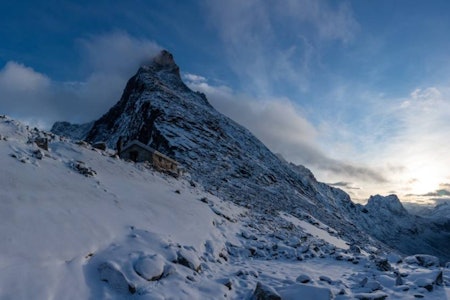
79 223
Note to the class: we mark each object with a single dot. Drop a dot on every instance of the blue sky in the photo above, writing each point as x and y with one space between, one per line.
358 91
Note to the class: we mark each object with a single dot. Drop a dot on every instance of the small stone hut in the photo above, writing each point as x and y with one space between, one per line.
139 152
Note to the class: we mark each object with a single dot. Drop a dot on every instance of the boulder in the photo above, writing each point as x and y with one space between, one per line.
100 146
42 143
115 279
81 168
303 278
264 292
422 260
188 259
150 267
382 264
303 291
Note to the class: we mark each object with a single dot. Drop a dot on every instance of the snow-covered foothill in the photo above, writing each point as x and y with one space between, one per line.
129 231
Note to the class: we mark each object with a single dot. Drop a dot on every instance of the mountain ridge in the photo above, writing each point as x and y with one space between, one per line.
158 109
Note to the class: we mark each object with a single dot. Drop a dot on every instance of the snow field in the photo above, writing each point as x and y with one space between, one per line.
125 231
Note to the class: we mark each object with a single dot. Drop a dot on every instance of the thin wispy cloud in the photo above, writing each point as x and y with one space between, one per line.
116 52
330 23
345 184
249 31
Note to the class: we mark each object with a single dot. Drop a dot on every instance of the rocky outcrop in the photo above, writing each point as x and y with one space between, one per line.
264 292
74 131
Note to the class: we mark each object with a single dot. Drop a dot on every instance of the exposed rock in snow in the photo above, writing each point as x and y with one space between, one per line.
264 292
115 279
187 258
389 204
81 168
74 131
303 278
422 260
99 146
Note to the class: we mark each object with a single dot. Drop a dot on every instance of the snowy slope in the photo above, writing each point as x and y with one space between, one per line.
53 218
124 231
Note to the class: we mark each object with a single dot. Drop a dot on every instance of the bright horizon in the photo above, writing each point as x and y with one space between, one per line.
358 92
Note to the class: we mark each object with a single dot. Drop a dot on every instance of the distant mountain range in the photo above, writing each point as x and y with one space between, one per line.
159 110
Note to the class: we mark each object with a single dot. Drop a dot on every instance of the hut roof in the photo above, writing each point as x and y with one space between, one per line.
147 148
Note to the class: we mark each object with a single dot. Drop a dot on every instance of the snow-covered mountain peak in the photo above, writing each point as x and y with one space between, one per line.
390 203
159 110
163 61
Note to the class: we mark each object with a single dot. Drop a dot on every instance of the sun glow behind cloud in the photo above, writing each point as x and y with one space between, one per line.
418 144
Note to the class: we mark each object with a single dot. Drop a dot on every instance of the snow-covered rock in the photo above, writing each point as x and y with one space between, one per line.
386 205
264 292
422 260
150 267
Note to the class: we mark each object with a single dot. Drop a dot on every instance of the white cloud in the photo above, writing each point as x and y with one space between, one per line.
17 77
431 93
195 79
117 53
275 121
24 92
109 60
331 24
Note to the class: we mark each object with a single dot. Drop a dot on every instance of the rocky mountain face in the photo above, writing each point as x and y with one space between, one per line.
159 110
387 220
77 132
440 213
